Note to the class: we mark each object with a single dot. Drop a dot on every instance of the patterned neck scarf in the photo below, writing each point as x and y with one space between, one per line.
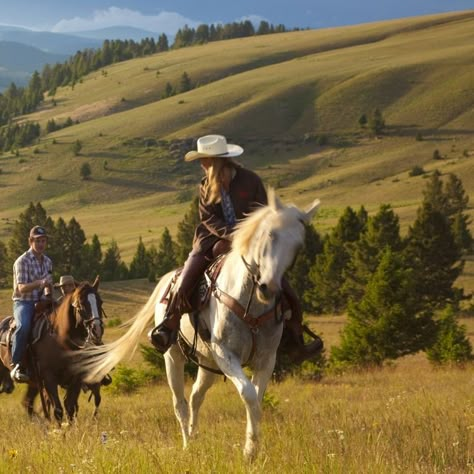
227 208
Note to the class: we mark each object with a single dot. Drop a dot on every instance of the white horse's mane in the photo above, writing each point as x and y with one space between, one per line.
245 229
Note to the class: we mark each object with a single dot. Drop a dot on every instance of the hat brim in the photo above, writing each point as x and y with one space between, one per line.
232 152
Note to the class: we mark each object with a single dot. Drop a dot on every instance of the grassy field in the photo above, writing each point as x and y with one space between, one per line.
267 94
407 417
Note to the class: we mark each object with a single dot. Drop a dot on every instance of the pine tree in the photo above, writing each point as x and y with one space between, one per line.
185 235
452 344
386 323
432 252
456 198
59 249
85 171
263 28
140 266
376 122
75 241
456 205
298 275
166 258
35 214
169 91
185 83
383 230
152 257
434 195
91 257
76 149
112 266
462 234
327 275
162 43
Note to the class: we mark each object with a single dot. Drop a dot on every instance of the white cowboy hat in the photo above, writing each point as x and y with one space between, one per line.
66 280
213 146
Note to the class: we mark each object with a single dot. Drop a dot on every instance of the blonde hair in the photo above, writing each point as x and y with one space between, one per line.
212 187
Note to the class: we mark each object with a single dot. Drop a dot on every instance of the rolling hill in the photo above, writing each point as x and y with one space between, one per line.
19 61
278 96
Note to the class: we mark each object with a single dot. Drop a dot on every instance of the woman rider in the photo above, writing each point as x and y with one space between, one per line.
228 192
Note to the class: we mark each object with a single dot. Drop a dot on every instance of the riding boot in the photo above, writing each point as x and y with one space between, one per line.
166 333
296 348
18 374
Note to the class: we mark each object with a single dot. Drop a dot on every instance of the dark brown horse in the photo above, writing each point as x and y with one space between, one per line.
73 325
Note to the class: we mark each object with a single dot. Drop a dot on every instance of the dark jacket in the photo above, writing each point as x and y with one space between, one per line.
246 193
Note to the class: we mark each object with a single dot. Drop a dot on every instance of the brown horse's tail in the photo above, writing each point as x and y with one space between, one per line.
95 362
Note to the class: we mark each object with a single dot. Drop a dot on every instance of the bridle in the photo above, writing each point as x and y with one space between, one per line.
90 321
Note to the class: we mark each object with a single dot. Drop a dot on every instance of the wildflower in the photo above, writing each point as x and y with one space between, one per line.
12 453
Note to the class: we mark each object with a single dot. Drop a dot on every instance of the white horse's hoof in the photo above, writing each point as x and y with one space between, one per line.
250 452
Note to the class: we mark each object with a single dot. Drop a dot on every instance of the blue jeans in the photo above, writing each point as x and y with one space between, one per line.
23 312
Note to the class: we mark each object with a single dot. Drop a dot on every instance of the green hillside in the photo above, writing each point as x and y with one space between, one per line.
272 94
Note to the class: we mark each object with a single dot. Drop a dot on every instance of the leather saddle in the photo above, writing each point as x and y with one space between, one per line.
40 324
200 296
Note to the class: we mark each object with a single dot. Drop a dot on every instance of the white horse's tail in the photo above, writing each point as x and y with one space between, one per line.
96 362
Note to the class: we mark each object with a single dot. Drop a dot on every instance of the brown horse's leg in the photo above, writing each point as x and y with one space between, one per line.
95 389
6 383
29 399
71 400
51 387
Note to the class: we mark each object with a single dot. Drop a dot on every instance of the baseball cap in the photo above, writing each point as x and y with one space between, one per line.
38 231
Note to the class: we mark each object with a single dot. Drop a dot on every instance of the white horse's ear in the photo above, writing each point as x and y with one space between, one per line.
96 282
310 211
273 200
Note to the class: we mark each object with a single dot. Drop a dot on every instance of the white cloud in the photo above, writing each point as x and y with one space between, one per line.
164 22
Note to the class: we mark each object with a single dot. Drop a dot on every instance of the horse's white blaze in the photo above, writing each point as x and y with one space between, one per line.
94 308
96 315
231 341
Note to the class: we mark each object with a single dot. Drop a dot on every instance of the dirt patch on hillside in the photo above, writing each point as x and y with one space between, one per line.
96 109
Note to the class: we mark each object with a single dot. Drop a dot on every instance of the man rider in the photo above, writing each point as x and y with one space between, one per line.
32 273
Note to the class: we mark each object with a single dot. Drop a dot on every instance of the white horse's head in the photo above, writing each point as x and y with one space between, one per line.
269 239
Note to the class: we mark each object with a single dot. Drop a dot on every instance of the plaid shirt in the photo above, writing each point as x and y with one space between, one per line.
26 269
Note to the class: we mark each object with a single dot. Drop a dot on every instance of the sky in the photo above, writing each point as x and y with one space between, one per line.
168 15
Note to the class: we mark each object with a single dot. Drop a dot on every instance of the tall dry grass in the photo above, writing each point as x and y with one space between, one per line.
407 418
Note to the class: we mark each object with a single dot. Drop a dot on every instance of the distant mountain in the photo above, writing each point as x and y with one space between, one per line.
57 43
13 28
22 50
118 32
20 57
18 61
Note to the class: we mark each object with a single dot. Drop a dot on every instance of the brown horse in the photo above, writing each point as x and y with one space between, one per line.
73 325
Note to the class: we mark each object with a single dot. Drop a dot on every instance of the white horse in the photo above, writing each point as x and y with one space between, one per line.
241 317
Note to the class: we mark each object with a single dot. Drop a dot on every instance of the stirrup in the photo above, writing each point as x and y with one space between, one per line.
309 350
162 337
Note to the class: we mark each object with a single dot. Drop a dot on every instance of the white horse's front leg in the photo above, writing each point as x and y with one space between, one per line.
231 366
203 382
262 374
174 361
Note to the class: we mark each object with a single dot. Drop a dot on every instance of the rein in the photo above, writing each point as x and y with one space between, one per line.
253 322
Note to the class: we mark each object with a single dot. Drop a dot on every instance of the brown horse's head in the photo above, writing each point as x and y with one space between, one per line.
79 318
88 311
